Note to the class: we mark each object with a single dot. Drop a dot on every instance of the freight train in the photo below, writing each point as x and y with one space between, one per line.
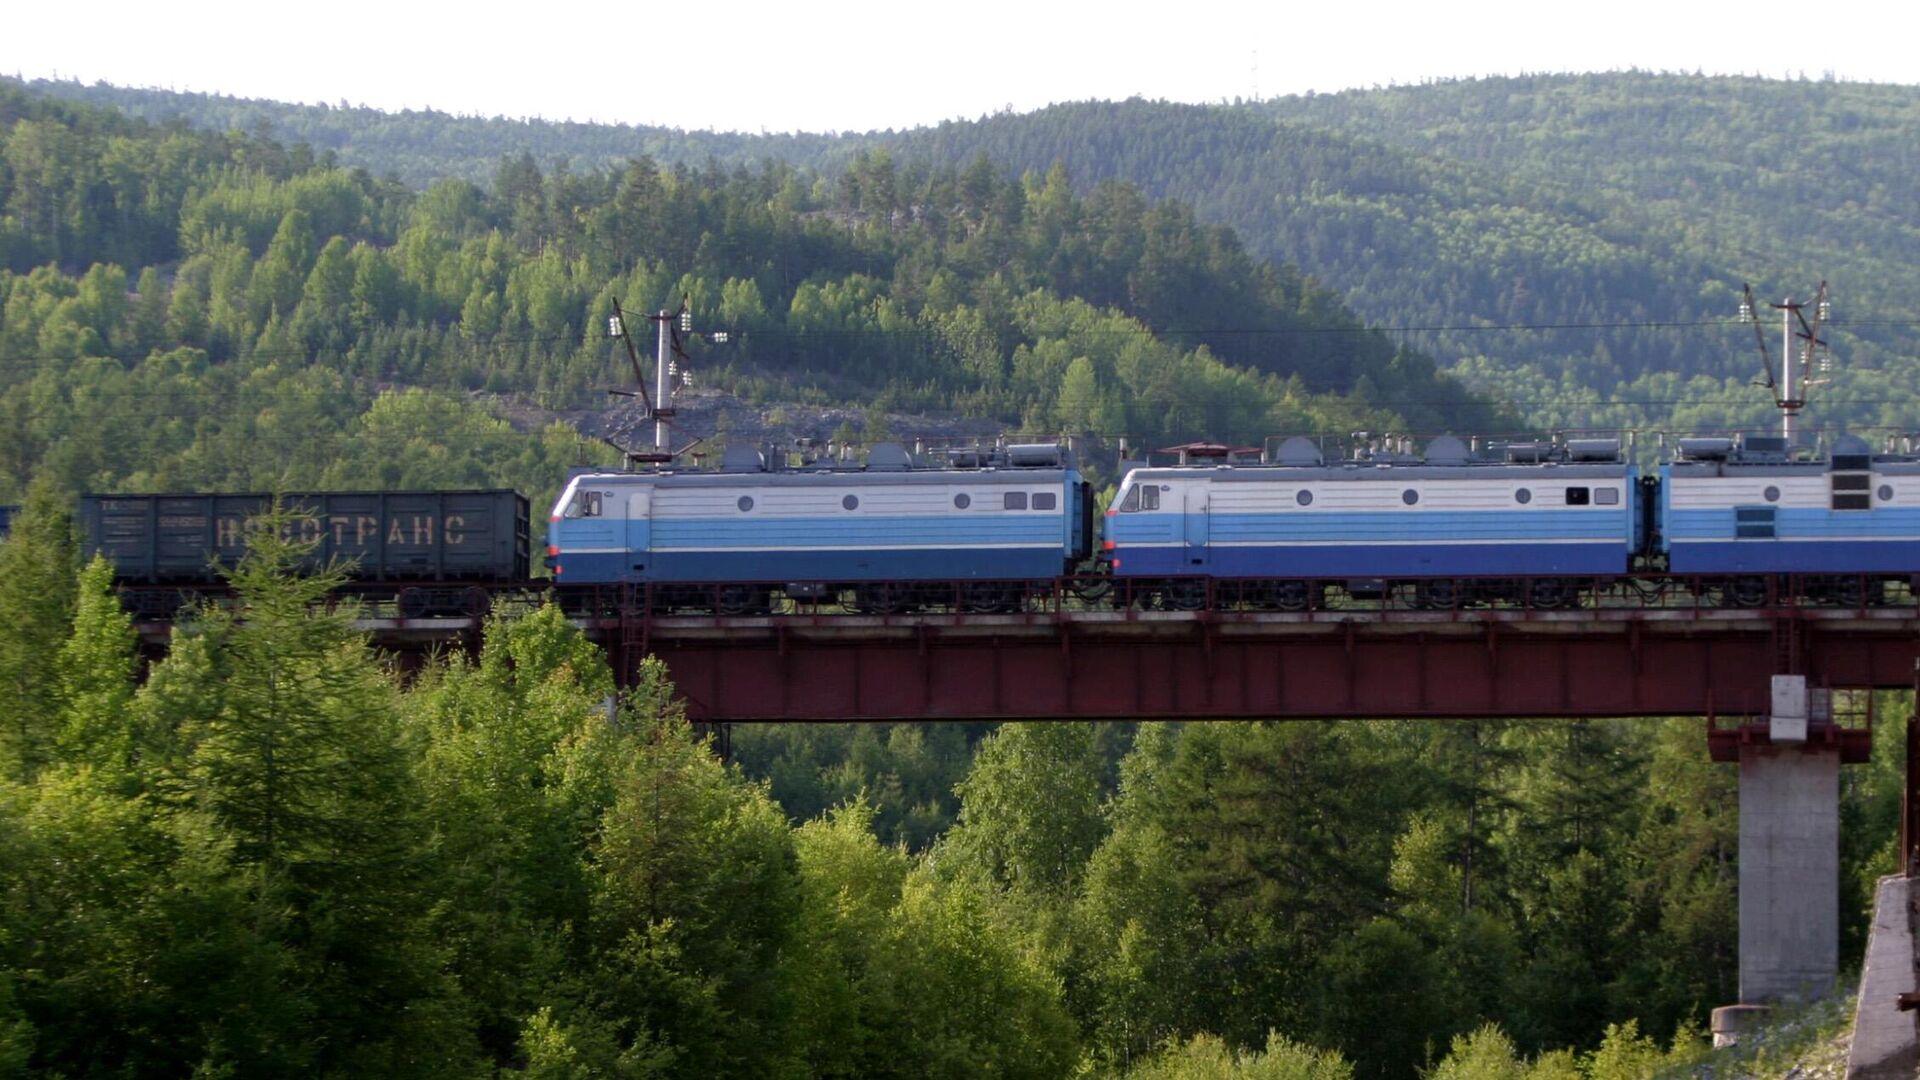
1733 521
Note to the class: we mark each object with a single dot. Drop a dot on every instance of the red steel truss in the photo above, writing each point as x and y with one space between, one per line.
1659 647
1244 665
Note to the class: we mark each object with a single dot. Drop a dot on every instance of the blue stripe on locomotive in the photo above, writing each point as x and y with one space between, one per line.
1339 560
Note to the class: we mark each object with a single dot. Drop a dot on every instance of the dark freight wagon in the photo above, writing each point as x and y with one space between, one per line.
394 536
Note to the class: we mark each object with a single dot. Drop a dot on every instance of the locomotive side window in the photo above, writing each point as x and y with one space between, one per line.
586 504
1044 500
1014 500
1132 502
1606 497
1150 497
1579 496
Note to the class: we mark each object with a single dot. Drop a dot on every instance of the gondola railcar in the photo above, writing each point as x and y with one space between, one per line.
432 552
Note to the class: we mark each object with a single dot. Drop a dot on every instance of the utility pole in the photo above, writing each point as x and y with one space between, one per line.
1798 367
669 362
662 388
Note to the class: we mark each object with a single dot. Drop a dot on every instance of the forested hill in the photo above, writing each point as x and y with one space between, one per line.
1555 201
1617 213
423 145
242 312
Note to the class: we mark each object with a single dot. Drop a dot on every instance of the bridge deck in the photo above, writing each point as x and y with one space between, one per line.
1063 663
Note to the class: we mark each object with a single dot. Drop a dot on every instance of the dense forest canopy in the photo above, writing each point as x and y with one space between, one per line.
272 856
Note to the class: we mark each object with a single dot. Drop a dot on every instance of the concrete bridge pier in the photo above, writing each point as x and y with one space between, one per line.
1789 858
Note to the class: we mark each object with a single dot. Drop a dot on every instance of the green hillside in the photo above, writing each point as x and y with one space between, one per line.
231 305
424 145
1617 213
1573 244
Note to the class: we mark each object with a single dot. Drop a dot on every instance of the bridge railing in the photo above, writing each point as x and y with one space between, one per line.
1426 599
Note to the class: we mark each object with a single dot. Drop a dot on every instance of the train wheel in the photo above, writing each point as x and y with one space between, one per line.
1849 591
878 599
740 600
1746 592
1290 595
985 597
1548 594
1438 595
478 602
1186 594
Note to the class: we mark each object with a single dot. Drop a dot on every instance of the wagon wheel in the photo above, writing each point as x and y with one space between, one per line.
412 603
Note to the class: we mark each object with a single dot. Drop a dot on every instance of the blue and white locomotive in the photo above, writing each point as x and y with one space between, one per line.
1844 522
976 529
1537 518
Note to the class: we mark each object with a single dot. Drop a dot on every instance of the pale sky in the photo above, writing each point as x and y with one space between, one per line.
746 65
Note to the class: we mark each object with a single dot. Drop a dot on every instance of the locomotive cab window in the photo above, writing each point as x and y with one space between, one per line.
1579 496
1150 497
1044 500
585 504
1131 502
